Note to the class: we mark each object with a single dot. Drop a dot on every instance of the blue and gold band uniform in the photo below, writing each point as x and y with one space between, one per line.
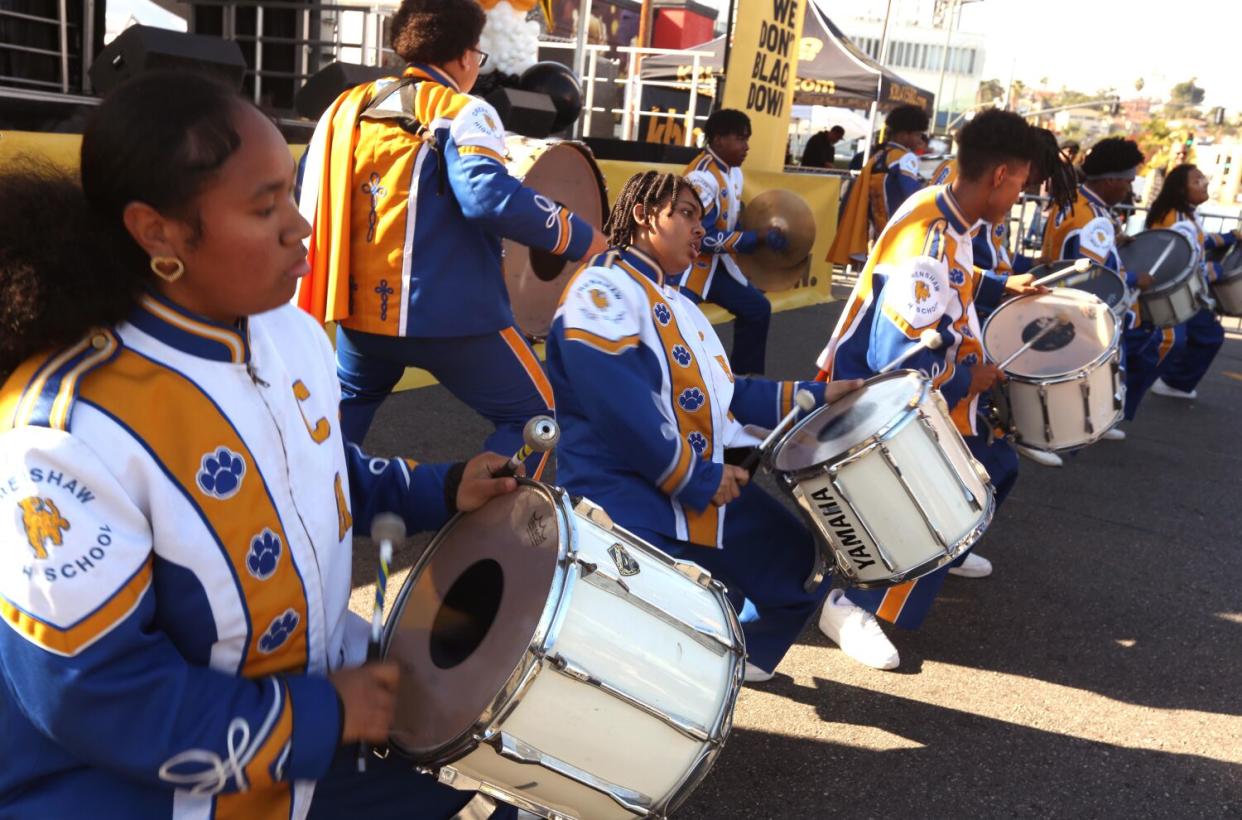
991 253
648 405
715 276
920 275
409 199
885 182
175 569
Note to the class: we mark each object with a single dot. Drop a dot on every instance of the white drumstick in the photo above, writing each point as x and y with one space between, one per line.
929 339
386 529
1060 319
1168 249
1079 266
804 400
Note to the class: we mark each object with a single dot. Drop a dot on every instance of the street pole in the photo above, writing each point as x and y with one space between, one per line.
724 68
580 51
944 61
879 85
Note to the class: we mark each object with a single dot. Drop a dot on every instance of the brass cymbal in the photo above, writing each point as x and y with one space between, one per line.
778 270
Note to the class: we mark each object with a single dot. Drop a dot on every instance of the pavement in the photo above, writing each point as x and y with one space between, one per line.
1097 673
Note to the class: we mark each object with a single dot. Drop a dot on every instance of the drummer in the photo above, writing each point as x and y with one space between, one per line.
1088 229
716 174
652 414
178 501
918 276
406 249
1185 189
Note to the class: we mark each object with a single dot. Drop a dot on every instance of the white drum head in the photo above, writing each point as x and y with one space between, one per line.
469 616
835 429
1145 249
1087 333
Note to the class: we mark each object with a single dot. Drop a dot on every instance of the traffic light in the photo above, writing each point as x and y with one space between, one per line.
1190 140
1218 115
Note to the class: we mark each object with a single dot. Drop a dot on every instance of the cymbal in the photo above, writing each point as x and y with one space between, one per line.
778 208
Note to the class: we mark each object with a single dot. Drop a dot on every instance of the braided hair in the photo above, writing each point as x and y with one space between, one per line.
1174 195
1050 164
649 189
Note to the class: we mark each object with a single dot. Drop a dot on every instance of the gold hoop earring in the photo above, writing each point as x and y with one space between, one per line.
168 268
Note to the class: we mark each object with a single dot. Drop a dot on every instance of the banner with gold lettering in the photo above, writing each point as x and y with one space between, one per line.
762 73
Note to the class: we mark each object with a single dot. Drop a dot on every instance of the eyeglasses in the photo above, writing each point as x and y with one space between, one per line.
483 55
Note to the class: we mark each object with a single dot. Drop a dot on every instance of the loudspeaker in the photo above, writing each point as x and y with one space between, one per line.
145 48
524 112
325 85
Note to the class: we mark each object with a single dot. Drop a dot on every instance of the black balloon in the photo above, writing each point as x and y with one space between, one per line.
559 83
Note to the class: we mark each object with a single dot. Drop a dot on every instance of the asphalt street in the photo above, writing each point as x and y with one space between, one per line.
1097 673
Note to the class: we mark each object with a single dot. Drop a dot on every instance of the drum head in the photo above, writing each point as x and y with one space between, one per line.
1232 263
1145 249
1103 283
463 623
837 428
565 173
1088 332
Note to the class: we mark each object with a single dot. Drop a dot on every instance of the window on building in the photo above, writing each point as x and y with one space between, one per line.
970 65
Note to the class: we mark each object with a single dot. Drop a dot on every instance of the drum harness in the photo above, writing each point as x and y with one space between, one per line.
403 117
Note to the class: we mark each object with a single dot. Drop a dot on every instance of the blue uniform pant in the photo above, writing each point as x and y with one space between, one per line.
752 313
389 789
907 605
1144 347
496 374
1186 365
767 557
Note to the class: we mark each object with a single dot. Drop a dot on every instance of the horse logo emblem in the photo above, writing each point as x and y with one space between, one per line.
599 299
921 292
43 523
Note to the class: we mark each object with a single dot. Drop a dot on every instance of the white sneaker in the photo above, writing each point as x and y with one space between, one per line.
1040 456
975 566
1115 434
1160 388
754 674
857 632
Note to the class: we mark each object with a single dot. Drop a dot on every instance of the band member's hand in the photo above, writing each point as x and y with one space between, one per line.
599 244
1145 281
1020 284
775 239
836 390
479 484
369 697
732 480
983 376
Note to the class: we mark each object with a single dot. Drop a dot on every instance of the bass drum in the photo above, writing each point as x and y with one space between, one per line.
565 172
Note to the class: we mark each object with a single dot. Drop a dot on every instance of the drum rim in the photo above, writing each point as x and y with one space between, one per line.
889 429
1114 344
1177 281
1227 276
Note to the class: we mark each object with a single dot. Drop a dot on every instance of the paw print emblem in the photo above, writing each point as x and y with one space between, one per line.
957 276
971 360
691 399
278 632
698 441
221 472
264 555
662 313
681 355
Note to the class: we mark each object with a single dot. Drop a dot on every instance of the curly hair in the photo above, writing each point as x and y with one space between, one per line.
651 189
1174 195
67 262
436 31
726 122
1109 156
905 118
993 137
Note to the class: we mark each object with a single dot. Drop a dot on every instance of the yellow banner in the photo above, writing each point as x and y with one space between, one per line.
762 73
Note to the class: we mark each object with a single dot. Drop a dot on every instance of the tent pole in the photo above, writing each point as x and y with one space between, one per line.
944 63
879 85
724 69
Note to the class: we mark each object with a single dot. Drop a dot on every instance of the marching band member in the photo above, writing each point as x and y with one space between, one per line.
890 177
1087 229
1186 188
650 410
406 188
714 276
919 276
180 501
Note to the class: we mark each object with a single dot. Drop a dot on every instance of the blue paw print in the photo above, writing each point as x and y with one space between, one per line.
662 313
681 355
264 555
698 441
971 360
957 276
221 473
691 399
278 632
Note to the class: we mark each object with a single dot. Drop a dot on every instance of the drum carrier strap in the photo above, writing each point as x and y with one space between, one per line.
403 117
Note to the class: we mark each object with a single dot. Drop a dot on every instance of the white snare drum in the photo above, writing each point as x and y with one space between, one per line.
886 480
1179 291
1227 289
557 662
1066 391
1102 282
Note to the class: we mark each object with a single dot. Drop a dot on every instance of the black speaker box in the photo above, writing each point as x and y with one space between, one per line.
325 85
145 48
524 112
635 151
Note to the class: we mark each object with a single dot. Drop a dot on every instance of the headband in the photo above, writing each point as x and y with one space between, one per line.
1129 173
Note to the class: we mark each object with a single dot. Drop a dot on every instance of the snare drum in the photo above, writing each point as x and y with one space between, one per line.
1102 282
1179 291
886 481
1227 289
557 662
1067 390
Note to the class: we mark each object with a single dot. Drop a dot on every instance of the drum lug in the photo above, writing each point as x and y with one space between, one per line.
1085 387
905 485
594 513
1043 405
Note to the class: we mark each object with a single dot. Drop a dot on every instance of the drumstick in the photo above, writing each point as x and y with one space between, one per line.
803 400
929 339
386 529
539 436
1079 266
1168 249
1059 319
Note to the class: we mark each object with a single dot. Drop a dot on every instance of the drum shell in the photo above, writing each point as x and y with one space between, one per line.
913 493
627 688
1227 290
1179 302
1068 412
